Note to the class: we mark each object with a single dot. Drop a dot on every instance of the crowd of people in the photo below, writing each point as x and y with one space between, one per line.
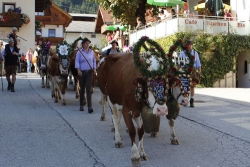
168 13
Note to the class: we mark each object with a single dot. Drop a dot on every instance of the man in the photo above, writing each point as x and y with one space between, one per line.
85 64
113 50
197 66
11 57
13 35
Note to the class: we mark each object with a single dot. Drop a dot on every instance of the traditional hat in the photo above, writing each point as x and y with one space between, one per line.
85 40
114 41
11 40
189 42
14 29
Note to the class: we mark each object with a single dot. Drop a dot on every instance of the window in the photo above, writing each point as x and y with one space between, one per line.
52 33
245 67
93 36
8 6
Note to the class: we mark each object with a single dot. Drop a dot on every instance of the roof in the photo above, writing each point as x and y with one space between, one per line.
81 26
68 16
83 15
106 16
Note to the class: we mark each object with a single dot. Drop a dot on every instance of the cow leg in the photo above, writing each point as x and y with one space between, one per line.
43 86
103 101
56 89
53 89
47 81
63 90
70 78
135 156
140 132
173 139
116 120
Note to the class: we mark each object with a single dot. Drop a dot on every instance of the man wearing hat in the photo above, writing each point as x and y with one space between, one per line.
13 35
85 64
113 50
197 65
11 58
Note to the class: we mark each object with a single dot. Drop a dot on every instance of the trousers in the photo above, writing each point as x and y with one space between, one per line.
85 82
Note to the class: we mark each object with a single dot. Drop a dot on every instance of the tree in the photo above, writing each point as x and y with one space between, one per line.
125 10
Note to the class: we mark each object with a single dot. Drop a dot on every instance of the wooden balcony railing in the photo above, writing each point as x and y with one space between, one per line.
53 40
15 22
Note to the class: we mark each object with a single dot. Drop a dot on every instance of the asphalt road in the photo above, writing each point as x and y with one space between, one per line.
36 132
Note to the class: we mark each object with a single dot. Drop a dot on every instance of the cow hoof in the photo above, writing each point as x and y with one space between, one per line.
47 86
144 157
118 145
77 97
127 130
175 142
56 101
103 118
64 104
136 161
154 135
43 86
113 129
71 82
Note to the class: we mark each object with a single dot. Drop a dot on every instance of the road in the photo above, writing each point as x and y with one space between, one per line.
36 132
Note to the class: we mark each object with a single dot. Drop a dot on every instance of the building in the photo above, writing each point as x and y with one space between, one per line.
54 22
83 25
240 25
25 25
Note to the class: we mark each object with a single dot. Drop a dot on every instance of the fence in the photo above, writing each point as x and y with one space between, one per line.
169 27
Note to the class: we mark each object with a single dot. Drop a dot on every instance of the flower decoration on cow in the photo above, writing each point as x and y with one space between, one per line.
77 44
150 58
63 49
179 64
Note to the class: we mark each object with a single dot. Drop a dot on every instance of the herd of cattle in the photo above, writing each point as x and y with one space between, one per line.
118 78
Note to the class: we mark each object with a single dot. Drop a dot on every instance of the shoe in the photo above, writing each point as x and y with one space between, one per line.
191 102
90 110
12 88
9 86
81 108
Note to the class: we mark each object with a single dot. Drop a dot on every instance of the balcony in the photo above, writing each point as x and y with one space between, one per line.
169 27
53 40
15 22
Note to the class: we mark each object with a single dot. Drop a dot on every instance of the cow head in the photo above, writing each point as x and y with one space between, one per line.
155 92
64 66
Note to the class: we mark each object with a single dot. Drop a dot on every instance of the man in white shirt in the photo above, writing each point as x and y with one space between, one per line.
197 66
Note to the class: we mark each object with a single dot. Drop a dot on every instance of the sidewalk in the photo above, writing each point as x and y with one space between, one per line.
239 94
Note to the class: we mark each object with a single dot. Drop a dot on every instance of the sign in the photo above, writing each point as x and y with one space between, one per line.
190 24
216 26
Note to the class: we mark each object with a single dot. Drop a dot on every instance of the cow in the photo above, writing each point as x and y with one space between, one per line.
42 64
122 79
58 73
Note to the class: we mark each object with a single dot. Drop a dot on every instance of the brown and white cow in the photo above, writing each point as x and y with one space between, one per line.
58 74
122 79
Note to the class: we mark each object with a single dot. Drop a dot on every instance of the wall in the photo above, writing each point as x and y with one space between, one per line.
241 8
71 37
243 78
26 31
59 30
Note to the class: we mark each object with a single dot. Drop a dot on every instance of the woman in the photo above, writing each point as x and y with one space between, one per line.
28 59
85 64
228 16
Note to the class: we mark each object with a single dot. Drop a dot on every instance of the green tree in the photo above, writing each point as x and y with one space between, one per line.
125 10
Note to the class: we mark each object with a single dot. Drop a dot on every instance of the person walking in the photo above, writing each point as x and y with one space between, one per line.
197 66
28 59
11 54
113 50
85 64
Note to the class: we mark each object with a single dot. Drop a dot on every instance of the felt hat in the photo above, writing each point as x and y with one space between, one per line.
14 29
189 42
85 40
114 41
